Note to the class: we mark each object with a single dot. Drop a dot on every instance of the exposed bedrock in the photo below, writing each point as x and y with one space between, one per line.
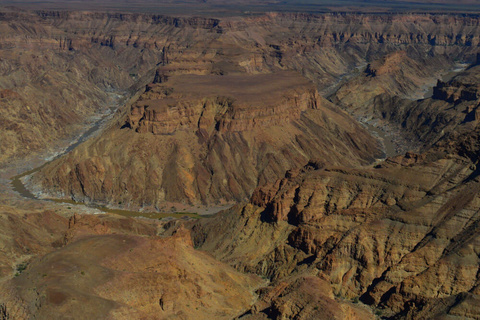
106 266
208 140
195 147
389 94
232 111
60 64
401 236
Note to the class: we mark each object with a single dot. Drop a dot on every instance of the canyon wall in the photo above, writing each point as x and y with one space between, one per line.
229 164
225 110
391 101
62 71
201 140
59 66
401 236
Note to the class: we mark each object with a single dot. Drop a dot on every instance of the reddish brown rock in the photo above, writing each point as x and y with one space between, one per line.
305 297
201 140
401 238
110 266
62 63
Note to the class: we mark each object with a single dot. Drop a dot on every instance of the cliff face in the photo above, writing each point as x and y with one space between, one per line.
390 100
321 47
208 139
61 71
224 114
462 88
401 236
232 104
61 63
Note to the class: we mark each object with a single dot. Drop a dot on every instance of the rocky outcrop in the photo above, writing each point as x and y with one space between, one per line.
67 69
387 99
224 50
401 237
304 297
337 238
165 110
72 58
399 74
462 88
208 139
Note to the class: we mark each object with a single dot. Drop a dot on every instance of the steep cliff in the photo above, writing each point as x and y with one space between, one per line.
233 104
207 140
321 47
62 63
401 236
61 71
390 100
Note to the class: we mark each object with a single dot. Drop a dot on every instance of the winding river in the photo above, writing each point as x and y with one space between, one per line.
19 187
389 148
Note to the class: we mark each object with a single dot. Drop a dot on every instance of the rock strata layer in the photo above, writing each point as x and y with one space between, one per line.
59 65
232 110
401 237
208 139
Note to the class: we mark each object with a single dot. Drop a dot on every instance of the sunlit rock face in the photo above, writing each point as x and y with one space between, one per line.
207 139
400 237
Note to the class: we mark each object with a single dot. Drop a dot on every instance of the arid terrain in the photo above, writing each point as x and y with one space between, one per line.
222 8
261 165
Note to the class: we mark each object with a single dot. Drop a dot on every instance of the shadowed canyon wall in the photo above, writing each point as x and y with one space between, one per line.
401 236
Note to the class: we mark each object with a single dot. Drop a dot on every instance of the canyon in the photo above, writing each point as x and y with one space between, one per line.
204 140
273 128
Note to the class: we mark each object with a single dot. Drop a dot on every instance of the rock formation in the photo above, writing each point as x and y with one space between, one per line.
230 111
401 236
321 47
111 267
201 139
61 71
56 59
